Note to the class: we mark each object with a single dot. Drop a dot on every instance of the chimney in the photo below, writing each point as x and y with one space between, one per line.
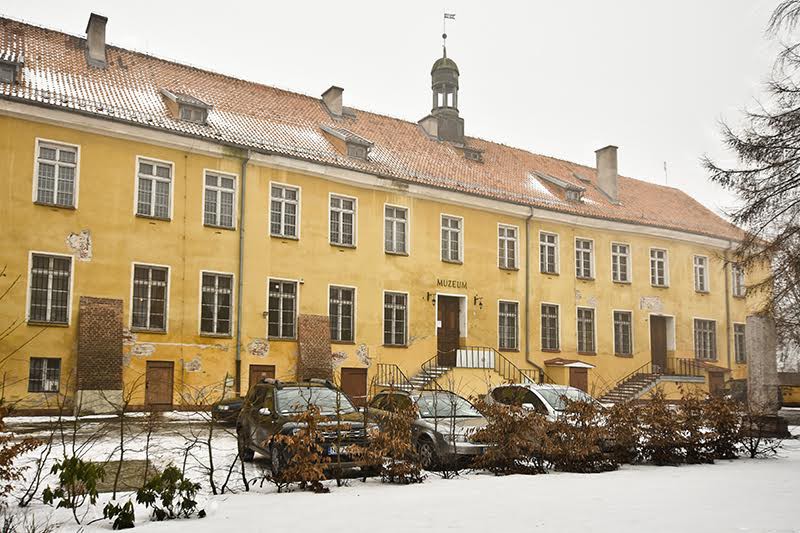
607 171
332 98
96 41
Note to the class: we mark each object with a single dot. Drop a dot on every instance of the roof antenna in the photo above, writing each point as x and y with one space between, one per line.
450 16
666 175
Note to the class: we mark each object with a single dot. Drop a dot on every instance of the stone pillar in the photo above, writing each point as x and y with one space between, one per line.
762 365
99 368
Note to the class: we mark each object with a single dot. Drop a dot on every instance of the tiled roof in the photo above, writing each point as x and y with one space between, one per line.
272 120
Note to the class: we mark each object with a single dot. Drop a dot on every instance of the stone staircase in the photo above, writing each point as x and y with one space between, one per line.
632 388
426 376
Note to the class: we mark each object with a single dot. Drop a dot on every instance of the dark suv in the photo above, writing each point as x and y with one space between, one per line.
271 408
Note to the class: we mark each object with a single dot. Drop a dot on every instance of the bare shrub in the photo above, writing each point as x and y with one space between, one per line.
300 457
577 439
391 449
625 432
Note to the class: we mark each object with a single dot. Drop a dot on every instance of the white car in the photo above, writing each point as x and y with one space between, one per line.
543 398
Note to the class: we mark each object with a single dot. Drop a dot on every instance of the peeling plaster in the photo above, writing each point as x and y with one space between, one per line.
592 301
258 347
195 365
578 295
81 245
338 358
143 349
651 303
362 352
128 337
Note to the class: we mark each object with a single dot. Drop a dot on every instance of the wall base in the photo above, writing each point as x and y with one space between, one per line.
98 402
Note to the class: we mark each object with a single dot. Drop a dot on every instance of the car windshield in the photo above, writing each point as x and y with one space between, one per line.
444 405
556 397
291 400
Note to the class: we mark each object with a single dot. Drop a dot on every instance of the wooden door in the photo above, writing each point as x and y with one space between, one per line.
658 342
447 334
259 372
354 385
716 383
579 378
158 385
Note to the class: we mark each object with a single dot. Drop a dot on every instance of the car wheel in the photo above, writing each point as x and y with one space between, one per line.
245 452
277 459
426 452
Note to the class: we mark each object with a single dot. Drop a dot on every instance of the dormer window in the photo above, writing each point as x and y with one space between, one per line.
574 195
473 154
185 107
9 67
193 114
347 143
572 192
357 150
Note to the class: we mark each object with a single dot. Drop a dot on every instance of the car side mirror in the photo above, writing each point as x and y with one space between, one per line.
264 411
529 406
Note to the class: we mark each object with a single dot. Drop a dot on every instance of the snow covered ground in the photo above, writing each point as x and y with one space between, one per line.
743 495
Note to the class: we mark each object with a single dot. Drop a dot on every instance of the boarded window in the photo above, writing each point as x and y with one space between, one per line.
50 288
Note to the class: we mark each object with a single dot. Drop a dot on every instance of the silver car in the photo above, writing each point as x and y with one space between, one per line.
444 423
546 399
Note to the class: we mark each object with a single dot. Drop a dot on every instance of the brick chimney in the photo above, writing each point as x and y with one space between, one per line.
332 98
96 41
607 171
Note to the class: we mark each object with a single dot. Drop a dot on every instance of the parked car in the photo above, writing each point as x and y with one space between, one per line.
442 429
546 399
227 411
271 408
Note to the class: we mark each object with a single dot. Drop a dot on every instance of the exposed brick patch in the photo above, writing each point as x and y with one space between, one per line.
99 344
315 359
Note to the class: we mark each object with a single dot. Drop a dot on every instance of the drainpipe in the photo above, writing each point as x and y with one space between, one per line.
727 307
527 287
239 279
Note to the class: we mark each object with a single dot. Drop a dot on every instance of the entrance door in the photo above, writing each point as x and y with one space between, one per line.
447 334
716 383
260 372
579 378
658 342
158 385
354 385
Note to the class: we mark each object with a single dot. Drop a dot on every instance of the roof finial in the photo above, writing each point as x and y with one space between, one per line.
451 16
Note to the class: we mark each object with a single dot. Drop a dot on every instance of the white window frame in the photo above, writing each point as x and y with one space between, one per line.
459 231
555 246
283 201
28 298
395 221
407 318
200 305
578 328
342 211
614 333
740 358
653 261
694 338
516 346
355 309
558 328
44 380
171 181
167 299
628 264
502 247
696 269
583 251
738 286
298 284
218 190
35 189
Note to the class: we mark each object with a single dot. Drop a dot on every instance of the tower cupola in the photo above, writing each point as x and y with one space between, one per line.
444 123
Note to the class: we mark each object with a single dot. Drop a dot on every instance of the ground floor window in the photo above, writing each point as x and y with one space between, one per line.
215 307
45 374
705 339
586 330
739 343
341 304
623 340
508 318
150 285
282 309
395 318
550 327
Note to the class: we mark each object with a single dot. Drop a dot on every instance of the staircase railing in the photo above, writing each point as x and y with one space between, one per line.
428 366
676 366
389 374
647 368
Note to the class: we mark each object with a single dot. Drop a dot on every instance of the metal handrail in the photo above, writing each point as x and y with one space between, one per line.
389 374
676 366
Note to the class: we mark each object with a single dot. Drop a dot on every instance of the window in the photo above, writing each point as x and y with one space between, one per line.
343 220
341 305
215 304
193 114
583 258
739 346
586 330
154 189
357 150
56 174
150 297
50 288
451 239
7 73
508 325
395 229
550 327
700 273
507 246
548 253
284 207
737 283
282 309
658 268
623 339
220 195
705 339
395 318
620 262
44 375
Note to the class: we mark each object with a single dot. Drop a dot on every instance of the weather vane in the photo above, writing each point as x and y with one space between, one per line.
450 16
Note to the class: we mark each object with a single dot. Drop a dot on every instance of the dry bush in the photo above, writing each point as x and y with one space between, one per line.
9 452
391 450
301 456
578 439
696 437
625 432
724 419
661 431
756 436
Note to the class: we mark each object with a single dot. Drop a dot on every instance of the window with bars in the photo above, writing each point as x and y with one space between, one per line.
343 220
705 339
395 229
56 174
620 262
586 330
507 247
548 253
154 189
50 288
451 239
508 325
341 306
282 309
550 339
700 273
658 268
623 333
284 207
395 318
584 248
216 303
220 200
150 297
739 340
737 282
44 374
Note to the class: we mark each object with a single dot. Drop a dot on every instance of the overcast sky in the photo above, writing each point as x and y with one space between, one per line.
557 78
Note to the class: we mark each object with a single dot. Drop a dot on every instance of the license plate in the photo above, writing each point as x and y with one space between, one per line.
342 450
